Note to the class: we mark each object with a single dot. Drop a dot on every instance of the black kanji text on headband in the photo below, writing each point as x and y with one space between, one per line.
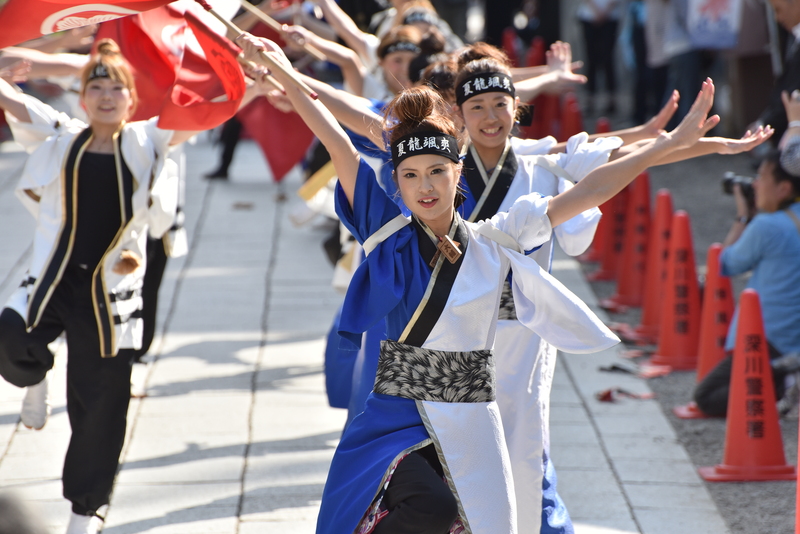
424 143
99 71
484 82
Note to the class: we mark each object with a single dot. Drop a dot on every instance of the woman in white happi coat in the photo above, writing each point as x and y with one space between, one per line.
429 447
96 191
495 177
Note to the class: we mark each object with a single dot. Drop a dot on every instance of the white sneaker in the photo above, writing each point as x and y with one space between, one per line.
36 405
84 524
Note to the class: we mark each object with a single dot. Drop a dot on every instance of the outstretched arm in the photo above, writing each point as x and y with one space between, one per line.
314 113
353 70
11 101
607 180
344 26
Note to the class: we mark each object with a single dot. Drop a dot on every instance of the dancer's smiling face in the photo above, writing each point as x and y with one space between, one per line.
489 118
428 184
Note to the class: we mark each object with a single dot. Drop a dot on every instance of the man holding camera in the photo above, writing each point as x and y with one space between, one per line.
768 244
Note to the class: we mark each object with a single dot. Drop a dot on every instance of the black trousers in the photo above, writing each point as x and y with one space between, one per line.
711 394
98 389
418 500
600 40
153 274
229 137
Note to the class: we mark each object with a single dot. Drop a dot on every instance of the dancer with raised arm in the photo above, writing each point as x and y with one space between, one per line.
429 448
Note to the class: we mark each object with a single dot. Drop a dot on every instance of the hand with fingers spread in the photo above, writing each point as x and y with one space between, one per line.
696 123
749 141
658 123
559 61
16 72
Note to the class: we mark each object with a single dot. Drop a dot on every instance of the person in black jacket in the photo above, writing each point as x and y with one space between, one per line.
787 13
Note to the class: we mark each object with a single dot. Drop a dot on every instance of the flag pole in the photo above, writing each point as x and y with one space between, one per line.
310 49
274 65
266 77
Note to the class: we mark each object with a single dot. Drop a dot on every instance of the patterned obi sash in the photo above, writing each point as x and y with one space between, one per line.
435 375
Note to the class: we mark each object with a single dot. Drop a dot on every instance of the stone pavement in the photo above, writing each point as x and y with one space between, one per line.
235 435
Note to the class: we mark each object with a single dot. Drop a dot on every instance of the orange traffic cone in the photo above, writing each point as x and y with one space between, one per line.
509 45
614 238
551 114
571 118
595 252
536 53
633 263
680 321
753 442
716 317
646 333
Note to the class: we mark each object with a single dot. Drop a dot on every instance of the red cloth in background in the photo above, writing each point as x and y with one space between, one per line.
283 137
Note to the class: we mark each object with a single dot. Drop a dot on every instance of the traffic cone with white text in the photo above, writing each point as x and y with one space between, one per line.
714 322
753 441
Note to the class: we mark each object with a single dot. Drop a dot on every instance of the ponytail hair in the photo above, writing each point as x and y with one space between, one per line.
108 62
418 109
422 110
481 50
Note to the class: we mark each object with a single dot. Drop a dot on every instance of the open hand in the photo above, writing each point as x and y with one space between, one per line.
559 61
749 141
656 125
696 123
16 71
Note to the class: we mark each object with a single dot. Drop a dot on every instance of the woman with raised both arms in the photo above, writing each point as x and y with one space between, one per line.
428 455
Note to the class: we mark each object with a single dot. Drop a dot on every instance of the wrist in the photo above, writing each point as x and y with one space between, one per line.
793 124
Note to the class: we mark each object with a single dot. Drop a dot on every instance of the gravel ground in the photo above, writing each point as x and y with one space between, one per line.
751 507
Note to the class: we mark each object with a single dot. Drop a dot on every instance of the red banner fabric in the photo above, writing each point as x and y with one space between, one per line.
283 137
154 63
23 20
202 77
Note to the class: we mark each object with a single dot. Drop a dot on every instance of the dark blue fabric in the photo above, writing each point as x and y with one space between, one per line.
555 518
387 427
390 283
365 369
338 368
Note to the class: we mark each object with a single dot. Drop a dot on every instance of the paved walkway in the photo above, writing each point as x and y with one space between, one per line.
235 435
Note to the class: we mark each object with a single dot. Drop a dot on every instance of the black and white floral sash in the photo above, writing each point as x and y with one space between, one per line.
435 375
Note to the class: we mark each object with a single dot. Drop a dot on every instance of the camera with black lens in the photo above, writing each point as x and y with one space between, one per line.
745 183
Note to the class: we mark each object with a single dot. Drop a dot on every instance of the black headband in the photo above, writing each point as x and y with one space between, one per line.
425 143
99 71
401 46
484 82
420 16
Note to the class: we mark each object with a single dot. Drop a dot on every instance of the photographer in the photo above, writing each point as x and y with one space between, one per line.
768 244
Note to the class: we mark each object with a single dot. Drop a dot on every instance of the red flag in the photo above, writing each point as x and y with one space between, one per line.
283 137
152 43
174 79
202 78
22 20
